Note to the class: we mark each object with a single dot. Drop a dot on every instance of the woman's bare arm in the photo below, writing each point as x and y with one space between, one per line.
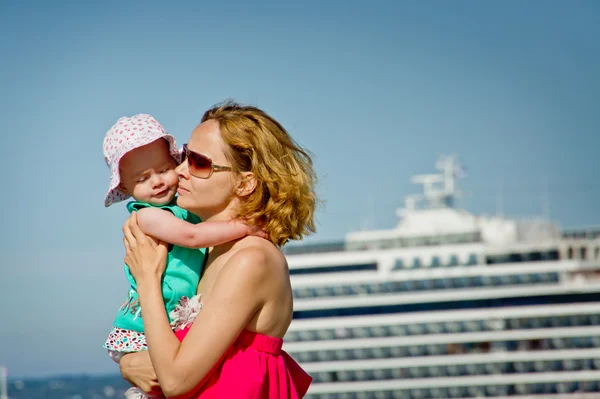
237 294
235 298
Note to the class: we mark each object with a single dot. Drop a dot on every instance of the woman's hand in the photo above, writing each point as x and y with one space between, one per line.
137 369
145 256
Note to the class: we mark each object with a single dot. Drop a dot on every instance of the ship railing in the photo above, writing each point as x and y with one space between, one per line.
569 379
382 243
580 332
582 234
388 269
392 329
495 317
458 360
472 294
347 286
455 365
314 248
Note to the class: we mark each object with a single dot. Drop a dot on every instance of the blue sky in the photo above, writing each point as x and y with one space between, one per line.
376 90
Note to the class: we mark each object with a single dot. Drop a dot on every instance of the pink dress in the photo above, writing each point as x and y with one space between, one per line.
254 367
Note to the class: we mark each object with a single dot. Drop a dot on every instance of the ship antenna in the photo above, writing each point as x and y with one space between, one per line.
500 197
545 199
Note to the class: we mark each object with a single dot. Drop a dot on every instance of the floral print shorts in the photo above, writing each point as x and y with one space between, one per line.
125 341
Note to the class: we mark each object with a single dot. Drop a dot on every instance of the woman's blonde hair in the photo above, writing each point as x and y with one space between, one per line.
284 199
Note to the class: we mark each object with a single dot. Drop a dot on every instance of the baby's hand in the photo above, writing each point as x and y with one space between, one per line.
257 231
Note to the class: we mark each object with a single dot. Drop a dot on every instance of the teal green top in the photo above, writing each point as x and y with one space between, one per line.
181 276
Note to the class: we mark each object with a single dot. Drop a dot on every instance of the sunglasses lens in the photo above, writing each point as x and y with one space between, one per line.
199 165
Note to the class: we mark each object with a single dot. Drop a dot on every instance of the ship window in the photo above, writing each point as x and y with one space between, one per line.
550 255
442 283
460 282
495 259
515 258
471 260
570 253
534 256
324 291
304 292
413 242
302 357
334 269
389 286
407 285
525 278
497 280
453 261
435 261
317 248
399 264
291 336
382 374
583 253
597 253
416 263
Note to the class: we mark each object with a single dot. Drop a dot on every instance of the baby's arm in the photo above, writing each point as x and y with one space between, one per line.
167 227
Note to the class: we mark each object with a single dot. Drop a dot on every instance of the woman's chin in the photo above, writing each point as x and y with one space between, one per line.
184 201
180 201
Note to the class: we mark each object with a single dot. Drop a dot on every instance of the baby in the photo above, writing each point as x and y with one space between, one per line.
142 158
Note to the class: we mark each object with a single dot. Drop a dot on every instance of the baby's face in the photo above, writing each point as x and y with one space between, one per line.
148 173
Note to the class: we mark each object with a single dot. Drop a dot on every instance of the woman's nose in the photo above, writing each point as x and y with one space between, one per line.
182 169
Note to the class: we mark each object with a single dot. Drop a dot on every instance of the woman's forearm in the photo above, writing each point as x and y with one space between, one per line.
162 343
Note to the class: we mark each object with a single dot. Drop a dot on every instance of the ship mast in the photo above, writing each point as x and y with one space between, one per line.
439 189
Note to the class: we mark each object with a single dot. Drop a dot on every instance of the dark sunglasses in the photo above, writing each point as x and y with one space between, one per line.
201 166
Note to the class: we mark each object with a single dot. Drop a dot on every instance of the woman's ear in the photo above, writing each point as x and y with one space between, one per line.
246 184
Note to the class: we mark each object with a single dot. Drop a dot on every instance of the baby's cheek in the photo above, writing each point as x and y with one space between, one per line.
173 180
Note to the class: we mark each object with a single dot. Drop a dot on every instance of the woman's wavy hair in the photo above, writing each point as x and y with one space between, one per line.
284 199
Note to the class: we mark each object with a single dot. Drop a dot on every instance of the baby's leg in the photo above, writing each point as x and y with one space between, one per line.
115 355
133 392
121 342
138 393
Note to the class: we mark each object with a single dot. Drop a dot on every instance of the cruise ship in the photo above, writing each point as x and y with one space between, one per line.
449 305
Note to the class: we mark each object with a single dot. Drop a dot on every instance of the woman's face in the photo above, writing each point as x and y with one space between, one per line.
211 198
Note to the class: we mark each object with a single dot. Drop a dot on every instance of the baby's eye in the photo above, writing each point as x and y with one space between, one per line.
142 179
165 170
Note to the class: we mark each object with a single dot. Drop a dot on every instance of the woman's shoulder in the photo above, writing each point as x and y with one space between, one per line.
258 254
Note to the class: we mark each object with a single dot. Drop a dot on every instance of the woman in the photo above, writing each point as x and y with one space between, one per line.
241 164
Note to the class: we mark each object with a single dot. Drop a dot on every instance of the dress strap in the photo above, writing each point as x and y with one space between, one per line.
260 342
